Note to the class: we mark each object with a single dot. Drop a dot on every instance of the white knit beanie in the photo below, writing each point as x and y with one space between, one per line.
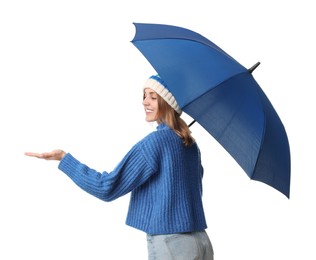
156 83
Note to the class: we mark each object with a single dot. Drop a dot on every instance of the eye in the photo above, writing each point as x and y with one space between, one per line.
151 96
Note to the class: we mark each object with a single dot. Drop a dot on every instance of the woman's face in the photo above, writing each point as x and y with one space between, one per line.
150 103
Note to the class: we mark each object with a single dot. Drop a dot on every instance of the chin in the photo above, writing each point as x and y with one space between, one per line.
150 120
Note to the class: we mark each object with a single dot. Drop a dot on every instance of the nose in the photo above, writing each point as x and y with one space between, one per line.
145 101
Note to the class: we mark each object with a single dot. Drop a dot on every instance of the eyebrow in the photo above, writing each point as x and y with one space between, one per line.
150 93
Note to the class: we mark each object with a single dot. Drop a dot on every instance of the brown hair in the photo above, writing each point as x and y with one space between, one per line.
167 115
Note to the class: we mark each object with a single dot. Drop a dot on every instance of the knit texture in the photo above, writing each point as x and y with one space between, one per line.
158 85
163 176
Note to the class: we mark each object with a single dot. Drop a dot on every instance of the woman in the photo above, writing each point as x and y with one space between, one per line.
163 172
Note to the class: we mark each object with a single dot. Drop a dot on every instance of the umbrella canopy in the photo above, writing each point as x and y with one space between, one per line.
223 97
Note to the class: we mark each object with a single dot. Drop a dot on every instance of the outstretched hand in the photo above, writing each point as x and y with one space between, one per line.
53 155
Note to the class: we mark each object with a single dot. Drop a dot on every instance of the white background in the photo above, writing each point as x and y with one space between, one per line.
71 79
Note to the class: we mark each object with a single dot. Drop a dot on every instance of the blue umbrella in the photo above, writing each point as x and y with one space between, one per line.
223 97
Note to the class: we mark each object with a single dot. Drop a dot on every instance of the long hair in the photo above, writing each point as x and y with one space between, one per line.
167 115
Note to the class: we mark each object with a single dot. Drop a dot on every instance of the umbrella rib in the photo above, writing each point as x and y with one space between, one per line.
193 100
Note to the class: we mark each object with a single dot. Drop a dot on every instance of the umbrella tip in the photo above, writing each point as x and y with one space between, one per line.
254 67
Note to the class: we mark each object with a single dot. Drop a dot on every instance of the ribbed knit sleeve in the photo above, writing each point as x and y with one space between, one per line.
130 173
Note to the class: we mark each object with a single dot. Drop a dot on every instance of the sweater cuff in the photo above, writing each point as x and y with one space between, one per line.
68 164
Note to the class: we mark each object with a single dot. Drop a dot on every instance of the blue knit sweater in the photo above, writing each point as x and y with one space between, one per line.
163 176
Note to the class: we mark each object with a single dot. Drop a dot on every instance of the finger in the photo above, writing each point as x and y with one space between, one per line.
33 154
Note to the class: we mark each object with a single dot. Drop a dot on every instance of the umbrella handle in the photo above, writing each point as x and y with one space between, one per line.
254 67
192 123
